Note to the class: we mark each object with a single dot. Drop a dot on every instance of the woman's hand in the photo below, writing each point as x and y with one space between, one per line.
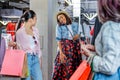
62 57
12 44
90 47
76 37
85 51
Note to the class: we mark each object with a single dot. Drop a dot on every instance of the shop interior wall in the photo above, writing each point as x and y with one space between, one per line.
46 10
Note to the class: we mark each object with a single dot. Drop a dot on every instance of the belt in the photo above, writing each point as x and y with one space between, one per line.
32 53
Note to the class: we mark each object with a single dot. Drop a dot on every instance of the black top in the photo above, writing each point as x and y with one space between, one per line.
97 28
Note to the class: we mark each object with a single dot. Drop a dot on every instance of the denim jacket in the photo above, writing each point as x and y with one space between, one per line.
62 32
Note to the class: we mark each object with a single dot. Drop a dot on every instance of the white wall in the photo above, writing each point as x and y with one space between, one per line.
46 10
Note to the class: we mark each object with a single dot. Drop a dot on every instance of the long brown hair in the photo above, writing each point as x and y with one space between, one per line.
109 10
68 19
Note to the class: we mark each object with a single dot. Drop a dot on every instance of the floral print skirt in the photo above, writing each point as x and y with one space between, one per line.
63 71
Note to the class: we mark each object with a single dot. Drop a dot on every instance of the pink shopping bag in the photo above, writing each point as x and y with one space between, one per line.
15 63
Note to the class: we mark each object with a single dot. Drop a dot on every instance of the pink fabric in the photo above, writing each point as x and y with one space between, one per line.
22 39
11 60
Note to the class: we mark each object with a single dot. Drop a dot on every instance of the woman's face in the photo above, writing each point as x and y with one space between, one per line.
62 19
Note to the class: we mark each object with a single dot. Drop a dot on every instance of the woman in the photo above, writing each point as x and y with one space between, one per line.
27 38
106 61
68 55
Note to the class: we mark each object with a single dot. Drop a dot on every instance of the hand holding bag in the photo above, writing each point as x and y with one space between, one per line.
83 71
15 63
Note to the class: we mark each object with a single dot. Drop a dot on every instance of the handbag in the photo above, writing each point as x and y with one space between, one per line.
83 71
101 76
15 63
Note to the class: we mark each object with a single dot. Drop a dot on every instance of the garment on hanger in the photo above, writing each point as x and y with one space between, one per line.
10 28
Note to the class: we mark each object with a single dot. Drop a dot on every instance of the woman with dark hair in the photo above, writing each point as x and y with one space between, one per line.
27 39
105 62
68 55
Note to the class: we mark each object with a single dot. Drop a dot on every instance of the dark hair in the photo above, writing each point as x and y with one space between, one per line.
68 20
109 10
25 17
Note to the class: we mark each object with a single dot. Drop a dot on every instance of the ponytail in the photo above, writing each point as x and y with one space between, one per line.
21 20
25 17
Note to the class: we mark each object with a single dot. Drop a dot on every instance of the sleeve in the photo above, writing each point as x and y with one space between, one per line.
58 33
108 63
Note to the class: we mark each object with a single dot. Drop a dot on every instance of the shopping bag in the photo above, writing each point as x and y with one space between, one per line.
15 63
82 72
2 51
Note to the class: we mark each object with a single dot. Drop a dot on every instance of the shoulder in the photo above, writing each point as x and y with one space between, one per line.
21 30
110 28
58 27
111 25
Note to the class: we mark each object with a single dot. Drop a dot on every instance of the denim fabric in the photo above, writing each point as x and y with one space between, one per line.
63 33
34 68
100 76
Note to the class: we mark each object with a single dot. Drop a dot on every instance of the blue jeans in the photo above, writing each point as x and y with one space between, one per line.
34 68
101 76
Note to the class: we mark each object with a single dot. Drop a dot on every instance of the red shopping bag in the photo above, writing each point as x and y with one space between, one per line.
15 63
82 72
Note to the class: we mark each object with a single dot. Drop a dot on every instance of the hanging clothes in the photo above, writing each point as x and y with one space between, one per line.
10 28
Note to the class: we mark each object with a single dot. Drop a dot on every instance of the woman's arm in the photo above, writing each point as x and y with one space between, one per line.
62 55
108 61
